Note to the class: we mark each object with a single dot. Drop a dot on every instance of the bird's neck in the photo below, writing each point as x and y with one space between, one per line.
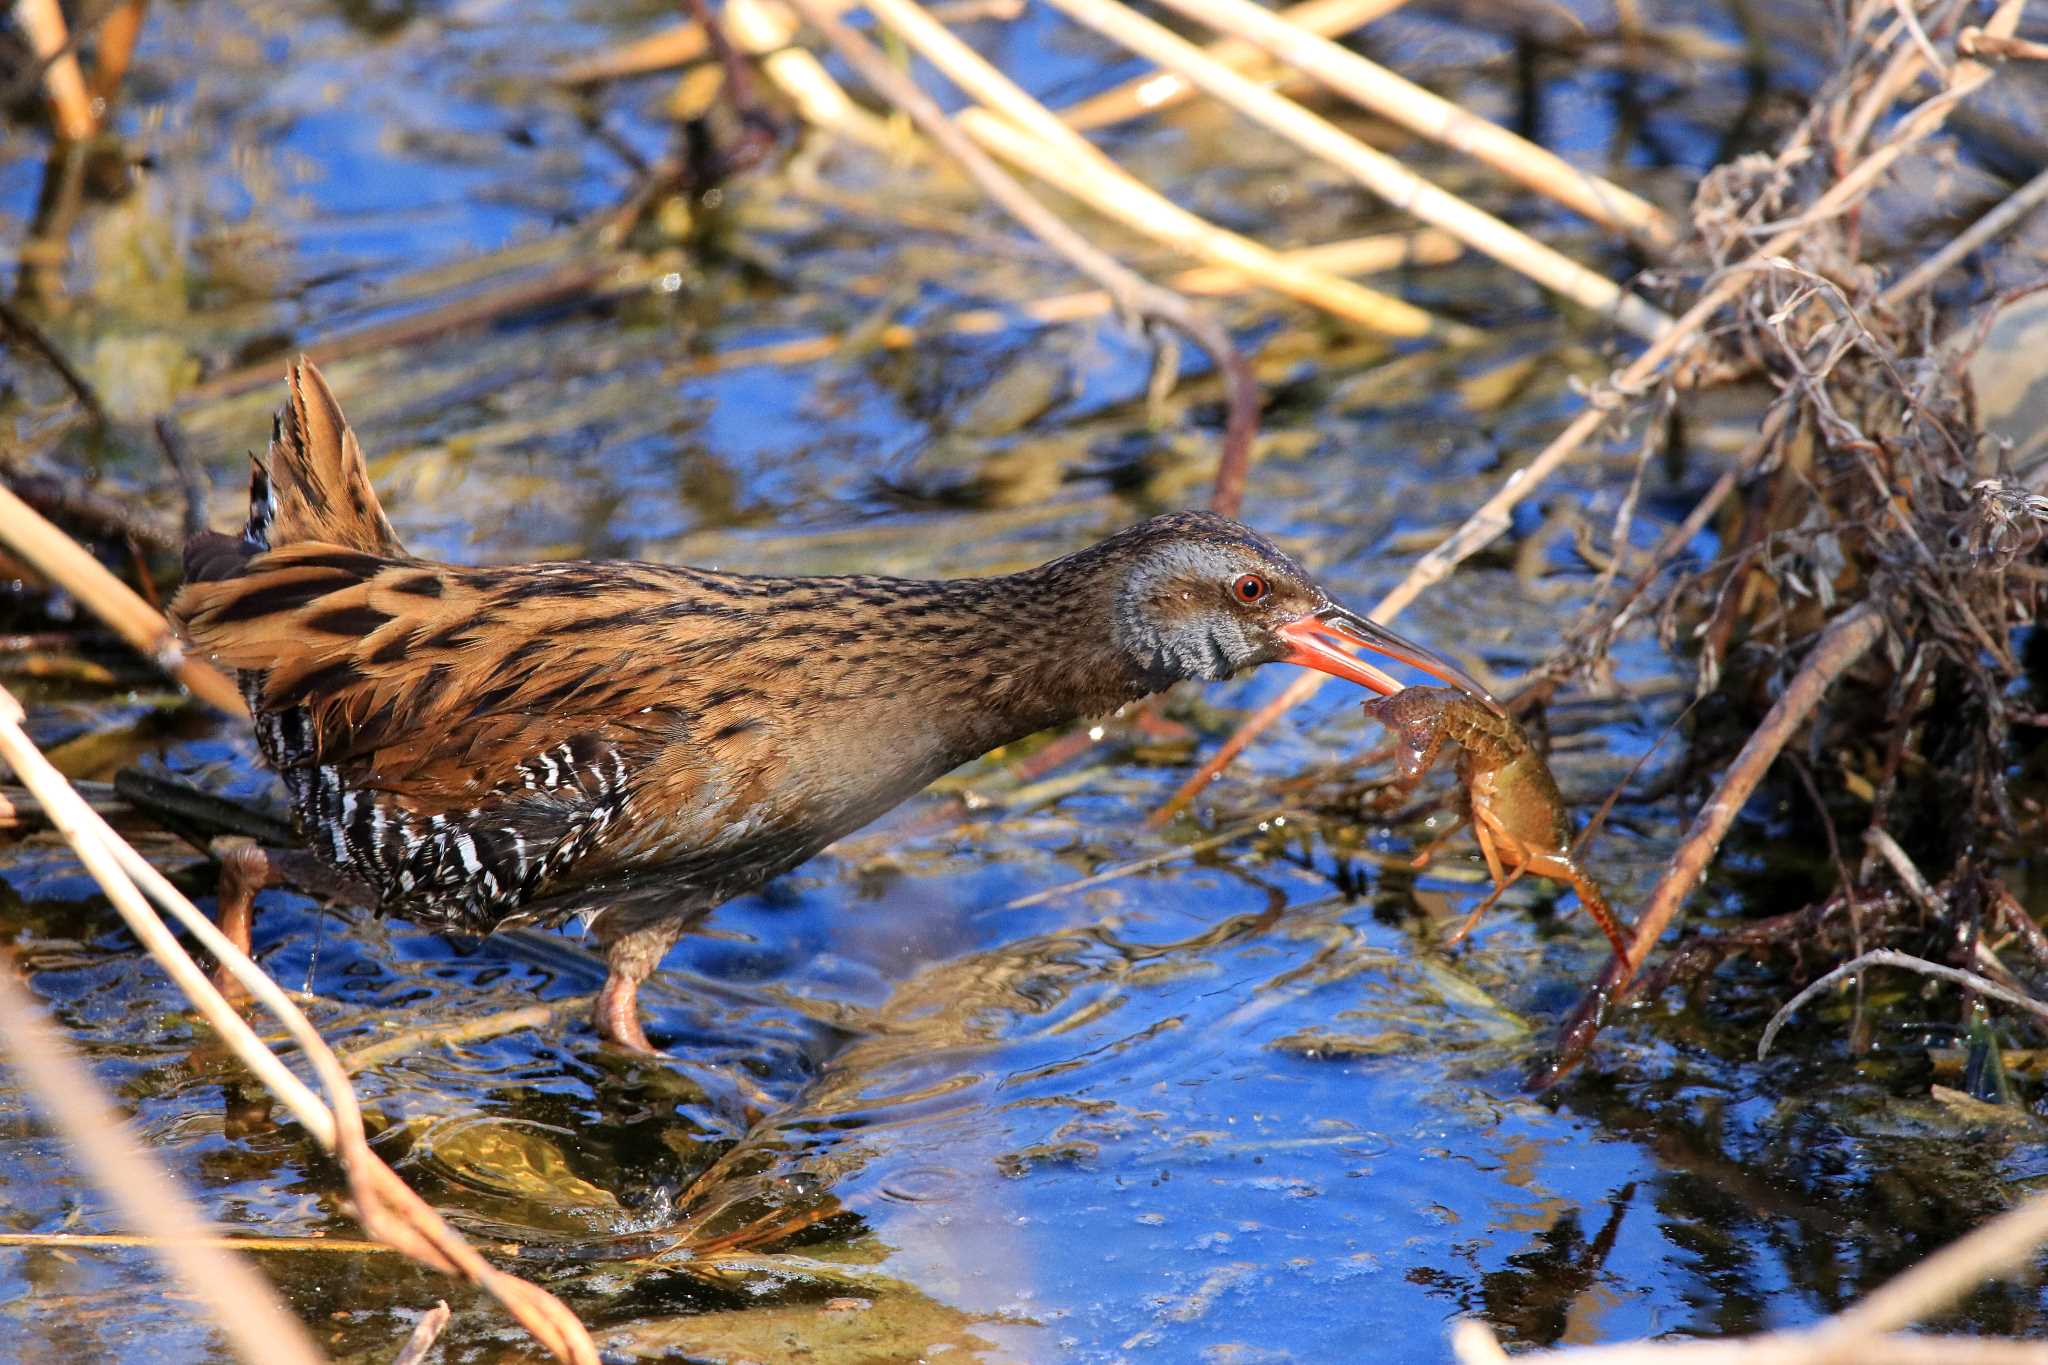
1027 652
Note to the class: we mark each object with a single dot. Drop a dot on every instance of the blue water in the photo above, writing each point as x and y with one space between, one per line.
1239 1106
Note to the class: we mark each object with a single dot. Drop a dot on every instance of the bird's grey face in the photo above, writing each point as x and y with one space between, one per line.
1208 609
1213 598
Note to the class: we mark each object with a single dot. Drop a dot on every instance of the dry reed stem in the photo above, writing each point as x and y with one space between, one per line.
1377 171
1356 255
70 106
573 279
669 48
1161 90
388 1210
2014 207
122 1241
68 565
1847 639
1024 132
1491 518
1138 298
464 1031
115 50
1113 193
685 43
1976 42
424 1334
241 1303
767 30
1897 77
1401 101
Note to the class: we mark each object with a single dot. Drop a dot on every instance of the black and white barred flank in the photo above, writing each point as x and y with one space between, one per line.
466 868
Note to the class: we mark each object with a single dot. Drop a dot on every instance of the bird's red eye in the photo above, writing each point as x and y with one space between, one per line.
1249 587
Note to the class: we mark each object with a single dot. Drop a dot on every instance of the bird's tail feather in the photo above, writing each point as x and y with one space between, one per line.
315 487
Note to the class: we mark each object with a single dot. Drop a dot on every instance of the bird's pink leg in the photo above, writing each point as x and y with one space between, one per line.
617 1013
244 870
632 958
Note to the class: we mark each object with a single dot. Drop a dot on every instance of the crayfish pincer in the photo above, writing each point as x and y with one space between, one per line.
1512 801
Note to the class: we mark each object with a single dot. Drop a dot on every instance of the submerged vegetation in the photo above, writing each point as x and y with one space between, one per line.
1690 399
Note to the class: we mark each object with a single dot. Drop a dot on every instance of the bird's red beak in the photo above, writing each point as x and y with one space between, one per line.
1324 640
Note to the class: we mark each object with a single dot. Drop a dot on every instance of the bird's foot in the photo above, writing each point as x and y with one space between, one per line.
617 1016
244 870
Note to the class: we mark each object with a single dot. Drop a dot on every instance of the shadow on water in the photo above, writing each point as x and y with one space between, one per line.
1234 1106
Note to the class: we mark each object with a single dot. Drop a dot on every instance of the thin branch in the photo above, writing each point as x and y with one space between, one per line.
1891 957
191 477
18 323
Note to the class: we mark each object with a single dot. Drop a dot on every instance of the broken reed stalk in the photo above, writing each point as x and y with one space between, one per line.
767 30
1847 639
69 566
387 1208
1161 90
1357 255
1025 133
70 105
115 50
1113 193
1137 297
424 1334
1861 1334
1375 170
1421 111
241 1303
1491 518
2015 207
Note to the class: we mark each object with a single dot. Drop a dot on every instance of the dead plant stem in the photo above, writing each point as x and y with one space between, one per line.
1394 97
240 1302
1847 639
1375 170
68 565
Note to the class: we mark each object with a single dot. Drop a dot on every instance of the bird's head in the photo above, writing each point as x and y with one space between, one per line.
1200 596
